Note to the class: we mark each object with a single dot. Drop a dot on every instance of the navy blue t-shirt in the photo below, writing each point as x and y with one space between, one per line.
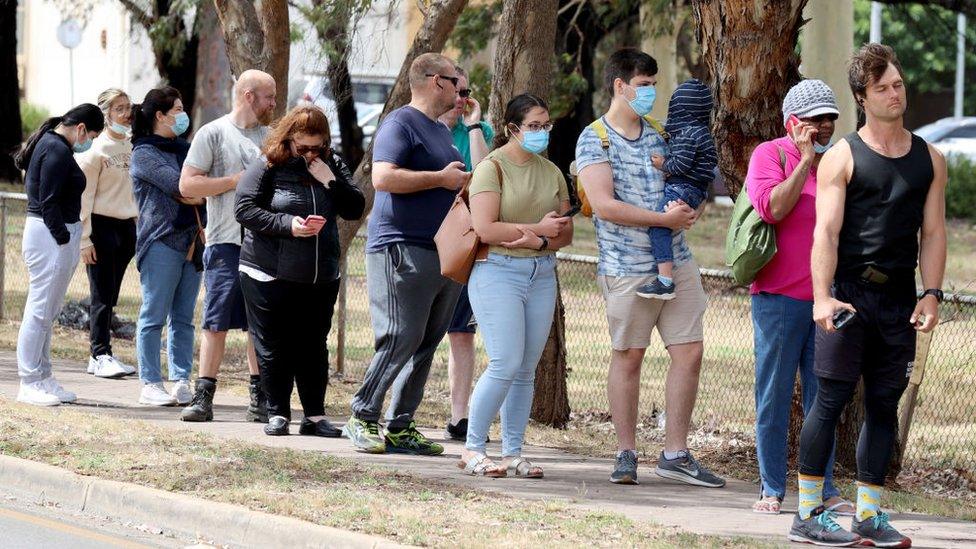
412 141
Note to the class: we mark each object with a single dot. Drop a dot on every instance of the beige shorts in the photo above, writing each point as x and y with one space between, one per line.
631 317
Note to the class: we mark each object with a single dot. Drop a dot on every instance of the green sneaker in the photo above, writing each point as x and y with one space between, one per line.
365 435
411 441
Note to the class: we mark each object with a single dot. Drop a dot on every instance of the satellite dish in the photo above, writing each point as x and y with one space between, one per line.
69 33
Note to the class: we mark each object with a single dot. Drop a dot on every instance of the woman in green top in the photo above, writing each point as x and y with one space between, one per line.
513 292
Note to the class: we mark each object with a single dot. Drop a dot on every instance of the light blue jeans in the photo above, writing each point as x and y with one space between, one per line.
784 335
169 290
513 299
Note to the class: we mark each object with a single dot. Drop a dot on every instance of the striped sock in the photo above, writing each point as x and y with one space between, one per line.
811 494
868 500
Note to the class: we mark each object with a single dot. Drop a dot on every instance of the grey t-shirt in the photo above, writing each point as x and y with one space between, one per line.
222 149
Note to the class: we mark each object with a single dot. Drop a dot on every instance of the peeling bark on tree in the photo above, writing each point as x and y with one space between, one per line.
213 81
10 131
749 51
257 36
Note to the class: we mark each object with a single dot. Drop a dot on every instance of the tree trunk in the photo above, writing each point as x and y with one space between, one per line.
258 37
10 132
441 18
749 51
524 63
213 76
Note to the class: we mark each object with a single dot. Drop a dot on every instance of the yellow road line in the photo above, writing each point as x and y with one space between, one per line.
68 529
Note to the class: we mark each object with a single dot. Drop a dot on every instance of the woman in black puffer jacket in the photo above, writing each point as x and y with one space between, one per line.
289 204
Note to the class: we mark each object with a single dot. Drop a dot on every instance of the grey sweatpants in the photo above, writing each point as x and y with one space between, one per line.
49 268
410 305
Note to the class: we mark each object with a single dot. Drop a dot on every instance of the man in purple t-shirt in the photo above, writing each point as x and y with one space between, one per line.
417 172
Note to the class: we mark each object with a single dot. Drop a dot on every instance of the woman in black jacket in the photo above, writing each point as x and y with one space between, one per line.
289 204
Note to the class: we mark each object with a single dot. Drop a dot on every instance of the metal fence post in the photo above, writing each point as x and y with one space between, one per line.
3 251
341 320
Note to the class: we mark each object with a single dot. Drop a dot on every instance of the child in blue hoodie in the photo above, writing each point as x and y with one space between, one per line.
689 168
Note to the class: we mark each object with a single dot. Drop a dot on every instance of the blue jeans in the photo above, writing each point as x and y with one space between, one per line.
784 340
513 299
674 189
169 290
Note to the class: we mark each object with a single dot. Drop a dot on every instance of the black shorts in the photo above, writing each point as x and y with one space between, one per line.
462 321
878 343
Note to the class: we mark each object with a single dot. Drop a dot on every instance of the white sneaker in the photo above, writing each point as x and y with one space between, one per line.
181 392
105 366
129 370
57 390
154 394
36 393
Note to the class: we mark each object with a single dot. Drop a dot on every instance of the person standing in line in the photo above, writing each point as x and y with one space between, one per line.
472 137
169 246
289 206
220 152
52 232
417 172
782 185
108 235
880 215
516 199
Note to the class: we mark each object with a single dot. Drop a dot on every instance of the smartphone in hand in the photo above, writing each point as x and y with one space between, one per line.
791 123
315 222
842 318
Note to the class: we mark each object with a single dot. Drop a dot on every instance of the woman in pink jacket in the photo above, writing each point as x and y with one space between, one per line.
782 185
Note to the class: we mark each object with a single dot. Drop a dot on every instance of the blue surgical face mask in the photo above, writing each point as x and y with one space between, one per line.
120 129
83 146
535 142
182 123
820 149
644 102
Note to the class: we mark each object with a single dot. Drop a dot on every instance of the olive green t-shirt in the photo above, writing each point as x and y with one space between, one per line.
528 191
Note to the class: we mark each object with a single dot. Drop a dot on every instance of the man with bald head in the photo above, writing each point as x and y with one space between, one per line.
219 153
417 171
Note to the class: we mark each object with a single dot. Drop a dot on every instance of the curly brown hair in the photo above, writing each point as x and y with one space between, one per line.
869 65
304 119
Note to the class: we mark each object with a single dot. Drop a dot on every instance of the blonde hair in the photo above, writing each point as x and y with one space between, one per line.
107 97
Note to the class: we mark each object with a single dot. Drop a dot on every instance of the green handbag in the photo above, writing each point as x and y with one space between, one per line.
751 242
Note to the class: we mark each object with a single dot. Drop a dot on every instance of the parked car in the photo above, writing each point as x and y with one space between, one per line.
952 136
369 97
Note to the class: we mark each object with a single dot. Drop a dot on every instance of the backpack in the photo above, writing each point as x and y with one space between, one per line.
601 132
751 242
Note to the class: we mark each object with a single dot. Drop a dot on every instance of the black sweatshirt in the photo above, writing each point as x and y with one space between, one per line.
54 185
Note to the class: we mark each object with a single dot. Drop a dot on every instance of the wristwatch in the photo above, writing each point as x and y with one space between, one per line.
545 244
939 296
473 127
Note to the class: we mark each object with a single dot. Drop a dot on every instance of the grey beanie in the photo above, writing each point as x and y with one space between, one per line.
808 99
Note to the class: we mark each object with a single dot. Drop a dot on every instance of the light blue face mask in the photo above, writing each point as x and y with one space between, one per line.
644 102
182 123
535 142
120 129
82 147
820 149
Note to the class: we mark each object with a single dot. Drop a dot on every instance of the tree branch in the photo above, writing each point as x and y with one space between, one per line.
138 14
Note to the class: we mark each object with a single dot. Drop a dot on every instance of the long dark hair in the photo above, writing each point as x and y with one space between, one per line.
86 113
144 114
515 112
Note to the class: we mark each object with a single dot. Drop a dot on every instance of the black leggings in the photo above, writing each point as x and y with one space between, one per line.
876 441
289 323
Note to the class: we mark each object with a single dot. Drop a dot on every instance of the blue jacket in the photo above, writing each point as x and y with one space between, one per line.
155 169
691 155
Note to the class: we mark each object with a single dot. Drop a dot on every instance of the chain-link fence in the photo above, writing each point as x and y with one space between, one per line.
943 430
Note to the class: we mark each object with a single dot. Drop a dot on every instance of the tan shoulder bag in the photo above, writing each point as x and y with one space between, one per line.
457 244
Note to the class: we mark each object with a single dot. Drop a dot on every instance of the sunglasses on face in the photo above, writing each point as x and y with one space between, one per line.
452 79
464 92
302 150
821 119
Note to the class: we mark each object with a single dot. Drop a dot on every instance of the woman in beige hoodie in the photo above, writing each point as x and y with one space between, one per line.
108 239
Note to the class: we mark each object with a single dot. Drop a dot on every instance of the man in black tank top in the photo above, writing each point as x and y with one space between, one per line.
880 213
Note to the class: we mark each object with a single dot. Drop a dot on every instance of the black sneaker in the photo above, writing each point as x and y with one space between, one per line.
877 532
257 410
201 407
686 469
459 431
277 426
657 290
320 428
626 470
821 529
411 441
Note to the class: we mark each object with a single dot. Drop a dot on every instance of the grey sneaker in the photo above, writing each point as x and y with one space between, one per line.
657 290
820 529
626 470
365 435
686 469
877 532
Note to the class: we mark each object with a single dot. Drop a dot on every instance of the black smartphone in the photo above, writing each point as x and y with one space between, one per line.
571 212
842 318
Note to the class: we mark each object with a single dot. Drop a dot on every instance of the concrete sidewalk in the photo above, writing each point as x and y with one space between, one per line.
582 480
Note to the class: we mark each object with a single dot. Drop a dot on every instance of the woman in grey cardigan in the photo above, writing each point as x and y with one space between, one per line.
168 246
